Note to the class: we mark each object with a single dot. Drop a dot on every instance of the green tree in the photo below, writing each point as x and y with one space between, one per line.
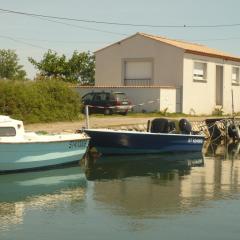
9 66
51 65
79 68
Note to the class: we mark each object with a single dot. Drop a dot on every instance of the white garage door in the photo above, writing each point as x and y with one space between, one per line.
138 73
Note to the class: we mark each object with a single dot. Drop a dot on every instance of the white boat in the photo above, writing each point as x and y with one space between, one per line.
20 150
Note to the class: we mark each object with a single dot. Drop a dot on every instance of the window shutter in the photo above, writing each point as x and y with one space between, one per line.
199 71
234 76
235 73
138 70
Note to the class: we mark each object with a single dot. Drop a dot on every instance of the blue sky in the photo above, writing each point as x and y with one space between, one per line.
31 36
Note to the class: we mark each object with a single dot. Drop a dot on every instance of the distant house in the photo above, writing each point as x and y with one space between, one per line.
176 75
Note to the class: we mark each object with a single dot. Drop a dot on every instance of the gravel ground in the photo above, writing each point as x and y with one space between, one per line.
95 122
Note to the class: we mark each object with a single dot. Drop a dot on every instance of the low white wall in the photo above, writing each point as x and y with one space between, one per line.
162 97
168 100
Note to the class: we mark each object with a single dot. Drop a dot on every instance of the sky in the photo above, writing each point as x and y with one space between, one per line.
33 36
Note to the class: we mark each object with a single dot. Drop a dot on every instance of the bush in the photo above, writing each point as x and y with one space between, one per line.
217 111
39 101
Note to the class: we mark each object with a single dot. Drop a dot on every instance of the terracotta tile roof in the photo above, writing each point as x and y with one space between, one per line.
188 47
193 47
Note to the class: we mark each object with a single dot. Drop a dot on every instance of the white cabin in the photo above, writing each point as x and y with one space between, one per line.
10 127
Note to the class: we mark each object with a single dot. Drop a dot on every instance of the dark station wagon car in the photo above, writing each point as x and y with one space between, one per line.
107 102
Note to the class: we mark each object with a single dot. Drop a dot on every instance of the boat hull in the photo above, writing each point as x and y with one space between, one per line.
126 142
38 155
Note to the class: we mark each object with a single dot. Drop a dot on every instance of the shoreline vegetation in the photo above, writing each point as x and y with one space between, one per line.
47 100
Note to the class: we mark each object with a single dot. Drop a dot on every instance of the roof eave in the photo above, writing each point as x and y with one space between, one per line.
118 42
229 58
159 41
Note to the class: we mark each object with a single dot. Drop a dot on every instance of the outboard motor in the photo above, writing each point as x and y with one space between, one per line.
159 125
162 125
185 126
233 132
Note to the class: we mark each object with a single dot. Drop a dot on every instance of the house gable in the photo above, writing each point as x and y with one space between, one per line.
166 60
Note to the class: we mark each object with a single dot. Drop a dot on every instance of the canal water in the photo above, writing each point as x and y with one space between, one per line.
181 196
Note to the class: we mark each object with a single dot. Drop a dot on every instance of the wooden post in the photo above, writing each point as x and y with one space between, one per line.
232 105
87 116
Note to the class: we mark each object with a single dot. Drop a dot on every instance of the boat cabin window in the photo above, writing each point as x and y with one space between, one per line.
7 132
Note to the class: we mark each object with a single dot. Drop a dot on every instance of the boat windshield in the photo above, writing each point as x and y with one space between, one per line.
7 132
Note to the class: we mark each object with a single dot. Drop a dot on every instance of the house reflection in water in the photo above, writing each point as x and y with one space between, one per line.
10 213
172 189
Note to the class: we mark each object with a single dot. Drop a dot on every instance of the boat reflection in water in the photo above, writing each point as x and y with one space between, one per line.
143 186
42 190
112 167
166 186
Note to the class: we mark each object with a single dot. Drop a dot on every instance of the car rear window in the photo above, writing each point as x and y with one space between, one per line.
120 97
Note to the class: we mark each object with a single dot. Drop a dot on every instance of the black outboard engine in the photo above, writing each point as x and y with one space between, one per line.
159 125
233 132
162 125
185 126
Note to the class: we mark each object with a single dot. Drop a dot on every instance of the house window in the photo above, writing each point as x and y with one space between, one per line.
138 72
200 71
235 76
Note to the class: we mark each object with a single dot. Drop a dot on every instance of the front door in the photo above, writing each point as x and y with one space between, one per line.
219 85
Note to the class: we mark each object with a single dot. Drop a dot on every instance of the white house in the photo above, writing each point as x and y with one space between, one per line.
175 75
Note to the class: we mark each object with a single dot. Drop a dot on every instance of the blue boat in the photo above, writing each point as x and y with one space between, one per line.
24 151
116 142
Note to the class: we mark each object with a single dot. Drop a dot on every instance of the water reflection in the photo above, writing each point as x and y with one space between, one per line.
117 167
151 186
223 151
173 184
120 191
38 190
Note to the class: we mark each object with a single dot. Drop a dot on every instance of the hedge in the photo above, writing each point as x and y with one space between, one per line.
39 101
